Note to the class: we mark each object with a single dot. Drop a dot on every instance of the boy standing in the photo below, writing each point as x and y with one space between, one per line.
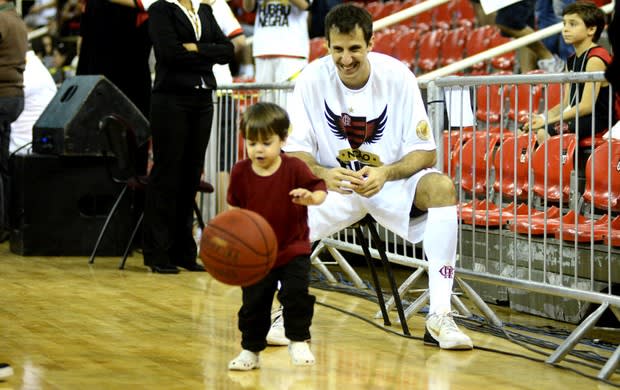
583 25
291 187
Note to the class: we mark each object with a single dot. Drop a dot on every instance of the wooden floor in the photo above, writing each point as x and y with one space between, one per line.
68 325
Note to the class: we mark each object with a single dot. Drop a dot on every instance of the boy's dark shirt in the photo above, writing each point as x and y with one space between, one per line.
579 64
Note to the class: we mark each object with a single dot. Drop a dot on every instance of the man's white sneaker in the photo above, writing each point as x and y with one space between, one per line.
247 360
276 336
442 330
300 352
6 371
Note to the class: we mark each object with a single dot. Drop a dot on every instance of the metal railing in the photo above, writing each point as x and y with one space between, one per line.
487 255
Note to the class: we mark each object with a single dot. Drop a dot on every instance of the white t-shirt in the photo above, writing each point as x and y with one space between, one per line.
280 29
375 125
39 90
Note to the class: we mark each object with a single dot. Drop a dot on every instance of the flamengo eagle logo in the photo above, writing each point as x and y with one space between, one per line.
447 272
356 129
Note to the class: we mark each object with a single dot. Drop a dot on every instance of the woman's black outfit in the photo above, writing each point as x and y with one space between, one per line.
181 115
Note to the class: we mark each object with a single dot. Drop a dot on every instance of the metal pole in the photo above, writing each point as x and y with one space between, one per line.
436 106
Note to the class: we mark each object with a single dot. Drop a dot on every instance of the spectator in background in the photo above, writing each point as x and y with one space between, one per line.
13 47
549 12
246 19
39 90
226 20
318 10
230 26
232 29
518 20
43 47
62 68
187 42
280 45
583 25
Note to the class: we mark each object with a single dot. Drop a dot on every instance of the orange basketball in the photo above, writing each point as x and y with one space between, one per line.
238 247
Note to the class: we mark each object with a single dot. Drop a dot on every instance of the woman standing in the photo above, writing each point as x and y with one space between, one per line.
187 42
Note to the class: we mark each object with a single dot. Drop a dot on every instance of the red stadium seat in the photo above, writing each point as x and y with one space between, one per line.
464 13
560 153
452 142
453 46
502 131
588 142
489 102
504 61
389 8
603 189
551 93
613 239
405 47
375 8
424 21
543 221
512 166
384 41
589 232
478 41
474 161
429 48
477 213
479 72
519 104
410 21
318 48
442 16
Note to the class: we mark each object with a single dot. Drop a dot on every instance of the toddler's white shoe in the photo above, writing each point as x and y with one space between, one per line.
247 360
300 352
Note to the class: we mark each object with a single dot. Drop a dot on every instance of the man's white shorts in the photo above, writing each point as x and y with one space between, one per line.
390 208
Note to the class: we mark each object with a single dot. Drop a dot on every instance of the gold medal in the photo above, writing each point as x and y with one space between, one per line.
423 130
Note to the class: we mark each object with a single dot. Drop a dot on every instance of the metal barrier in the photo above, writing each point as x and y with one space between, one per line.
523 260
519 263
225 145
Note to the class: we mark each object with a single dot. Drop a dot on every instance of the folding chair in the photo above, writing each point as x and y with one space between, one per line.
119 140
512 166
369 223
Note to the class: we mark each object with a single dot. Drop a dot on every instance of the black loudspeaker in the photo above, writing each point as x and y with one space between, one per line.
59 204
69 124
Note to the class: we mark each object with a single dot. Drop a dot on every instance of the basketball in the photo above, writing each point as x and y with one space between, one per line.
238 247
